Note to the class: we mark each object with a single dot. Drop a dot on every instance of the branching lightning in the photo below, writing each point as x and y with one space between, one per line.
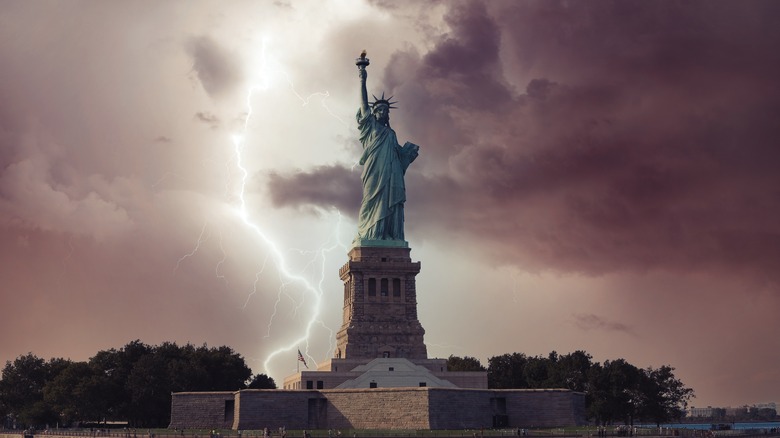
324 95
219 263
288 276
201 239
280 261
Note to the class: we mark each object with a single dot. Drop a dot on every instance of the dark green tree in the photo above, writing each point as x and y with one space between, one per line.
596 396
226 369
133 383
506 371
3 414
185 369
21 389
536 372
665 396
571 371
116 366
261 381
78 393
149 388
466 363
614 392
22 383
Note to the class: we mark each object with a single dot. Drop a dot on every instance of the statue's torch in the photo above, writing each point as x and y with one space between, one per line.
362 62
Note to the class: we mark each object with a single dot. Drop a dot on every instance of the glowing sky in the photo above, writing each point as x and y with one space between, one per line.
597 175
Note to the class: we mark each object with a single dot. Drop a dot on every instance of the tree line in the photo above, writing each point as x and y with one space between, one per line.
133 384
615 391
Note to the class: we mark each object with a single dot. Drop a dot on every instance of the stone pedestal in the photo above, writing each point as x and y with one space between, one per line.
380 305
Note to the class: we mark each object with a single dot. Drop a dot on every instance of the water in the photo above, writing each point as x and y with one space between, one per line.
708 426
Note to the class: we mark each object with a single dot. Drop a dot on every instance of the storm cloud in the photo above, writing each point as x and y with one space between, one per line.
216 68
324 186
596 137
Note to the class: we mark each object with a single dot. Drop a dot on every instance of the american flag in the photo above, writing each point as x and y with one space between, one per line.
300 358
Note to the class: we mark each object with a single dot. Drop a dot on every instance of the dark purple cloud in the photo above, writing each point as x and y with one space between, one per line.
208 118
324 186
217 69
589 321
592 137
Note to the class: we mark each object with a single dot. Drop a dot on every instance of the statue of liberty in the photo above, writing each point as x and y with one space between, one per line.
384 161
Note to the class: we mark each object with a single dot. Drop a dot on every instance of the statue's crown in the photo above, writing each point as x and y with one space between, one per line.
383 101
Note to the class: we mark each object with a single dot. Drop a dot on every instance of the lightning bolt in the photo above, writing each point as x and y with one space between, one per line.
201 239
219 263
316 290
288 276
324 95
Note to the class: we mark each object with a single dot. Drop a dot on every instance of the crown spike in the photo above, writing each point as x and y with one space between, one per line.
383 101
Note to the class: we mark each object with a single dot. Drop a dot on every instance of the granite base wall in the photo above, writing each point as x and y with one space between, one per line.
392 408
457 409
259 408
202 410
379 408
545 407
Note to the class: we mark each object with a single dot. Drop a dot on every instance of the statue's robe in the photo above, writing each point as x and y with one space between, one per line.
384 164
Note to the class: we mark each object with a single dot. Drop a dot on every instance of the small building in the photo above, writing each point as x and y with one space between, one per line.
385 373
700 412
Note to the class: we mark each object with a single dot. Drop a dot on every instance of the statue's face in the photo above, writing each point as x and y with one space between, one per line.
382 113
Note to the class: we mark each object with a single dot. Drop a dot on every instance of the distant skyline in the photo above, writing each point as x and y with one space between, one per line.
598 176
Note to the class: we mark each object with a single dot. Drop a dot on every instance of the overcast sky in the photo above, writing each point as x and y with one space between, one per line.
598 176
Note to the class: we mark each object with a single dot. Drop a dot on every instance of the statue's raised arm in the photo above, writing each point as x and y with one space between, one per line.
362 62
384 161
